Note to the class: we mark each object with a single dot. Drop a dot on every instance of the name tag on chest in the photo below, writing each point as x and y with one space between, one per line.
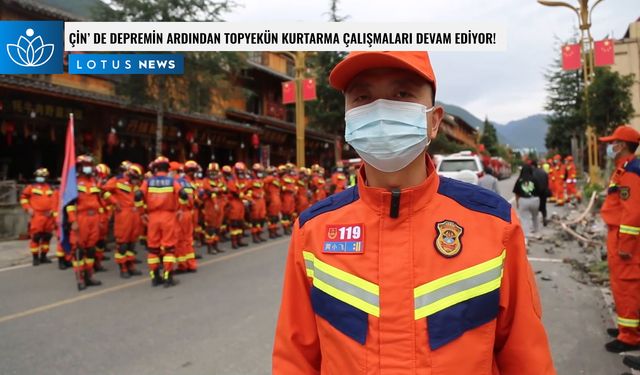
344 239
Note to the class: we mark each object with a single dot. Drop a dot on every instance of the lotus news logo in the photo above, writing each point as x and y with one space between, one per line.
30 52
31 47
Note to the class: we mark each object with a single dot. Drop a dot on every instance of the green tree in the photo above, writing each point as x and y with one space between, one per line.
327 112
610 100
489 138
191 91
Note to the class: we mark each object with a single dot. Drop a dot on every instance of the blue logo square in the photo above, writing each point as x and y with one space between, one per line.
31 47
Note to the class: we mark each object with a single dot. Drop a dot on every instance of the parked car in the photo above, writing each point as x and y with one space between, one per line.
464 166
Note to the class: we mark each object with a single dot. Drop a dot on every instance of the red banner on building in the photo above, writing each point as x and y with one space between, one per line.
288 92
571 57
309 89
604 52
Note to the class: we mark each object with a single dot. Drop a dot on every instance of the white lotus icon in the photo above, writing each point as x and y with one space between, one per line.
30 52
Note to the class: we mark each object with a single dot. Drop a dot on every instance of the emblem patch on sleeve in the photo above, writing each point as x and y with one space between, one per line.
344 239
625 193
449 240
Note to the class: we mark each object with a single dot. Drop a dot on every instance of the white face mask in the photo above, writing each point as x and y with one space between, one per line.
40 179
87 170
388 134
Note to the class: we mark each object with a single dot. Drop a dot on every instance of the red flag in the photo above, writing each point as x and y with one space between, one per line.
288 92
68 186
604 52
309 89
571 57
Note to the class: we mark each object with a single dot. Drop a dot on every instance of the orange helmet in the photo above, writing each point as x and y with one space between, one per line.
257 167
135 170
271 169
315 168
290 165
213 167
102 170
226 169
305 171
557 157
239 166
160 160
84 159
175 166
282 168
191 165
124 166
41 172
569 158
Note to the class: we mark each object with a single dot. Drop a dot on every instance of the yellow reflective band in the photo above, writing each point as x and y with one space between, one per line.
37 191
94 189
457 287
183 201
169 259
59 254
119 256
182 259
106 195
82 188
157 190
130 253
190 256
34 249
49 192
632 323
348 288
628 229
101 210
71 208
89 262
24 201
123 187
139 204
153 260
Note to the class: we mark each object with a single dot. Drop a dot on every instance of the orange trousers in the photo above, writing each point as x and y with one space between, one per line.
88 232
625 287
185 254
41 227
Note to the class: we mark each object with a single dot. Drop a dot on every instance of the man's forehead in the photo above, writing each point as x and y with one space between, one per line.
396 76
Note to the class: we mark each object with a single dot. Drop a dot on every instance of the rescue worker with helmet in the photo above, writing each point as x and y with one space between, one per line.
572 180
162 195
120 191
303 194
559 176
39 200
317 184
273 187
85 221
621 213
407 272
289 191
258 204
237 188
338 179
102 174
186 258
213 208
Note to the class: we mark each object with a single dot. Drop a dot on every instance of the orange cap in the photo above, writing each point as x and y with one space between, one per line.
356 62
623 133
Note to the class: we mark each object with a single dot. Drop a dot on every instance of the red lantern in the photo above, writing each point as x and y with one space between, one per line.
194 148
112 139
255 140
190 136
8 129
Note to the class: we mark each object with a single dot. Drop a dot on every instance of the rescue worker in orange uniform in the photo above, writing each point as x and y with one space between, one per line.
102 176
273 187
407 272
39 200
258 204
559 176
198 220
289 191
161 194
552 180
338 179
237 188
621 213
185 254
317 184
572 180
84 218
303 194
213 209
120 192
227 178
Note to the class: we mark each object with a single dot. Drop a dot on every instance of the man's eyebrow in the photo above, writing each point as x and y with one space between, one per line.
358 85
416 83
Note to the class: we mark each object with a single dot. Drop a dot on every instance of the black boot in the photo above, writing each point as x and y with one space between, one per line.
217 249
613 332
134 272
36 260
89 281
260 237
155 278
198 256
234 242
124 274
240 243
44 259
62 265
169 281
617 346
255 238
632 361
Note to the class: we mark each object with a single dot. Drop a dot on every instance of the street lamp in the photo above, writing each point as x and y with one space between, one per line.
298 59
584 18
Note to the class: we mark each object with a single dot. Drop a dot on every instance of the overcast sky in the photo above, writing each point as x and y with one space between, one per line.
502 85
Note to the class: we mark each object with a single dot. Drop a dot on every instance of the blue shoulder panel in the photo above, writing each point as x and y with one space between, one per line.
343 317
475 198
329 204
633 166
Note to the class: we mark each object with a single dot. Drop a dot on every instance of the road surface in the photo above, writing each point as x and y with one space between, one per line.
221 320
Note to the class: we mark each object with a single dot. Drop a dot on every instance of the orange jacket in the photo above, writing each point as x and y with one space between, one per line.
318 187
571 173
89 198
432 279
339 181
622 206
161 193
273 187
39 198
119 191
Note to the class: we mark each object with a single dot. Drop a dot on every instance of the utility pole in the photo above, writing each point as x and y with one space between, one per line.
586 41
299 62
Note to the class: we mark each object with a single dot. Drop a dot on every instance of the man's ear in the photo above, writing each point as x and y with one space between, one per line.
437 114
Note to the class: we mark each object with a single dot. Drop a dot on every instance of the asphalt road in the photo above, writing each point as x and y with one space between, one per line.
221 320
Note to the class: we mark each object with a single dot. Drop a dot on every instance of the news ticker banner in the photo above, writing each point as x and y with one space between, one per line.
38 47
